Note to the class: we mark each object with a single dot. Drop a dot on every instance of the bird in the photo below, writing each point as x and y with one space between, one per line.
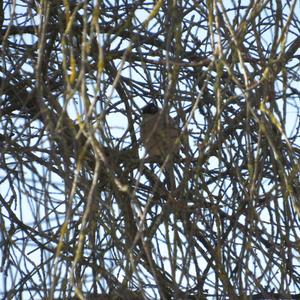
160 137
159 133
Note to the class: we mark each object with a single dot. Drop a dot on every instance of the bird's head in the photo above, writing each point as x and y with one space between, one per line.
150 109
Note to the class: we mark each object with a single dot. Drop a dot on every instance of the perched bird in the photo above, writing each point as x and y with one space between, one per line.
160 137
159 133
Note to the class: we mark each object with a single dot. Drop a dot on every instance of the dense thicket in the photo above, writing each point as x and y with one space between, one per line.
85 214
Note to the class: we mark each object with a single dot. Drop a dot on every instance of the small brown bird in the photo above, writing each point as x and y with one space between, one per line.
159 133
160 137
